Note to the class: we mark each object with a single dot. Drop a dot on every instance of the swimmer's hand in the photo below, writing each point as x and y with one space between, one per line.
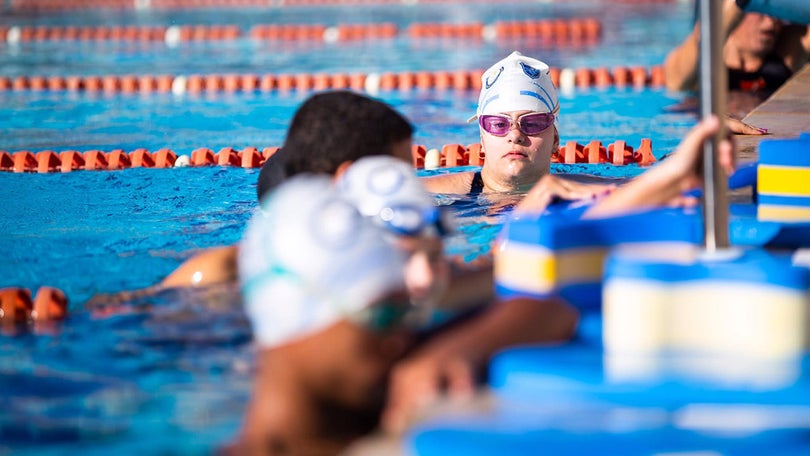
738 127
551 187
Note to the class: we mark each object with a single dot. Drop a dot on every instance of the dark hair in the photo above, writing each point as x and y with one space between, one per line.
331 128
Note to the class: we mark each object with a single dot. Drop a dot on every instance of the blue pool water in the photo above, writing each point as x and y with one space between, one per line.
171 375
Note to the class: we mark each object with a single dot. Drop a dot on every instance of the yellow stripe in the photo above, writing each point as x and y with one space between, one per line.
582 265
542 271
783 180
783 213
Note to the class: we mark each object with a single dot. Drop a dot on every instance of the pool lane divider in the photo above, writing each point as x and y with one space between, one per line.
553 31
450 155
566 79
19 311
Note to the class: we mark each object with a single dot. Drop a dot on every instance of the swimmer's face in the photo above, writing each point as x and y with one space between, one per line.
757 33
427 271
517 157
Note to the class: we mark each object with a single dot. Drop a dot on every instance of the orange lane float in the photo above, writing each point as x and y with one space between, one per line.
450 155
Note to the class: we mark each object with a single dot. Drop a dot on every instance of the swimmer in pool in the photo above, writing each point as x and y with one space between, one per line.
325 295
760 52
517 119
328 131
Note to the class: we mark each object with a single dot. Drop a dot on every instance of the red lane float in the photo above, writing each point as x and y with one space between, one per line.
450 155
616 153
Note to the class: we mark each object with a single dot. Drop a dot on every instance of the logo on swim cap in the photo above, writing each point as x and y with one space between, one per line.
533 73
487 82
385 180
338 224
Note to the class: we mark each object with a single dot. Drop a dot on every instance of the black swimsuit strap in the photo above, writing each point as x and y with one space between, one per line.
769 77
477 185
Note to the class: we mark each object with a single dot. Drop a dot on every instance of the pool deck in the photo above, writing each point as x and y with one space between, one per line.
785 114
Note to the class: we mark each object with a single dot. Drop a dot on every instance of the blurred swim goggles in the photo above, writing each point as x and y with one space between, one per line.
385 314
407 220
530 124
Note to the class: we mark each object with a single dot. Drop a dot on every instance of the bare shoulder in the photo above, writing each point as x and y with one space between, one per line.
458 183
208 267
794 45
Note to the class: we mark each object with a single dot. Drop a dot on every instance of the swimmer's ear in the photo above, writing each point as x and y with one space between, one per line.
342 169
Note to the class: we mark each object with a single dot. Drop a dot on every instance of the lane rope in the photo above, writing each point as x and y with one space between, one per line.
450 155
550 31
566 79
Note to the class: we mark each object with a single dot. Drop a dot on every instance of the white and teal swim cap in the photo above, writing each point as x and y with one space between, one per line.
388 191
309 259
517 83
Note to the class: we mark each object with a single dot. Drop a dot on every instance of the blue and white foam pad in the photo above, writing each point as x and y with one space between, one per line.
540 256
783 180
565 400
737 302
581 374
745 229
602 430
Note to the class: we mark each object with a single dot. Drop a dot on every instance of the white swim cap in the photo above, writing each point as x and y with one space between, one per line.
388 190
517 83
309 259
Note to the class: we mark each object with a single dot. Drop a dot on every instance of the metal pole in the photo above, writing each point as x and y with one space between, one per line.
713 87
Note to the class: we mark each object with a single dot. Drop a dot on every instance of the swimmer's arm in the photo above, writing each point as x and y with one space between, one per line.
794 45
456 183
209 267
682 63
470 284
666 183
449 361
